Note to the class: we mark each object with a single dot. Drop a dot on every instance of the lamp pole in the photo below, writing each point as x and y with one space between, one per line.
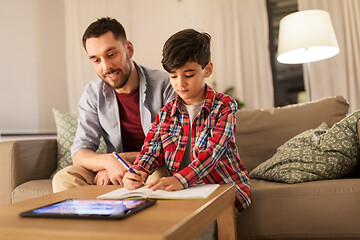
308 81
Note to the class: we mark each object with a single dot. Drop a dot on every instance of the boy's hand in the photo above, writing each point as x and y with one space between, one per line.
115 170
166 183
133 181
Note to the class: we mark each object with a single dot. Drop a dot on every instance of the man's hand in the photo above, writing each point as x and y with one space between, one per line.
133 181
102 178
98 162
166 183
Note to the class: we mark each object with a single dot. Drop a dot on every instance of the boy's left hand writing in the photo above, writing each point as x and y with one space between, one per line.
166 183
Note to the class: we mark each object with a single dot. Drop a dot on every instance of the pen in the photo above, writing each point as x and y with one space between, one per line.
123 163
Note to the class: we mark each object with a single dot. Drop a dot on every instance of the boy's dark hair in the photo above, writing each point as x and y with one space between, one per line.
184 46
104 25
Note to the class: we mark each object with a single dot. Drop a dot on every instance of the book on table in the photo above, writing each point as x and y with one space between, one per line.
201 191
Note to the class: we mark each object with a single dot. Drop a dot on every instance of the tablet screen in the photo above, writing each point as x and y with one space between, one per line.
98 208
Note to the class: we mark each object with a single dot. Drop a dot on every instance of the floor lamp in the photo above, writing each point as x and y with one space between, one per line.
304 37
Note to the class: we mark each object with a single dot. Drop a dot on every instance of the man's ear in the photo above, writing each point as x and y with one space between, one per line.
208 69
130 48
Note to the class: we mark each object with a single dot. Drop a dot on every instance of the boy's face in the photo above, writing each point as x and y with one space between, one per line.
110 58
188 81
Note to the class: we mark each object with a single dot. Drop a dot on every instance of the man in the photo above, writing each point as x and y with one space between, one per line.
119 106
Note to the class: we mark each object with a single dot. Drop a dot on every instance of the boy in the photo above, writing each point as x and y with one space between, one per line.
193 134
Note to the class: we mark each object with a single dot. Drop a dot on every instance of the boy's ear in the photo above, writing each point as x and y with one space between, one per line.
208 69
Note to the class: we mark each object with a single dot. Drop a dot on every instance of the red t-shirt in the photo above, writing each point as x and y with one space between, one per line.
131 130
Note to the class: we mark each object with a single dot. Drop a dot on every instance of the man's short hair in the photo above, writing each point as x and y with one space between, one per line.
102 26
184 46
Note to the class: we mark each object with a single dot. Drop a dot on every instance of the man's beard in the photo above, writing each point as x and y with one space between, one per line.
124 79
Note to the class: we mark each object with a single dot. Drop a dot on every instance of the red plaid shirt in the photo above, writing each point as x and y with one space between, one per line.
214 155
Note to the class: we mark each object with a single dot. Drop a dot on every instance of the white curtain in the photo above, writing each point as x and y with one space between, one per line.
339 75
239 30
241 50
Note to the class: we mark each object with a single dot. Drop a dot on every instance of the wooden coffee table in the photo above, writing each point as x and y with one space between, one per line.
167 219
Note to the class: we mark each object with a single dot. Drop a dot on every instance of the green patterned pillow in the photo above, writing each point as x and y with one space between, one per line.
66 125
315 154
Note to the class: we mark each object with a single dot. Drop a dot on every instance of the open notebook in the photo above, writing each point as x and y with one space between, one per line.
195 192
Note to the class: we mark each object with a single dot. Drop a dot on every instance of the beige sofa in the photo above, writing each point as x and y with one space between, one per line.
26 167
324 209
319 209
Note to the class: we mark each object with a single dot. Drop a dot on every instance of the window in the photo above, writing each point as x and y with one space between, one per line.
287 78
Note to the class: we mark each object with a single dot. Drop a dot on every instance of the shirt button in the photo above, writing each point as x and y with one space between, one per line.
173 169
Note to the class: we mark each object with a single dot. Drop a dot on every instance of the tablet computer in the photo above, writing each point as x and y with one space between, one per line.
90 209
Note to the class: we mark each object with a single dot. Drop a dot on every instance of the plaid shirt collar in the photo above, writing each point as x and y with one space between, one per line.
209 98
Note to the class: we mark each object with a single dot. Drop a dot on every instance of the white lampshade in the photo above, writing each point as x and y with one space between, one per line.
306 36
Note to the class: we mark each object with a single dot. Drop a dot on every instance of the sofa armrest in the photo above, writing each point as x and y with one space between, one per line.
25 160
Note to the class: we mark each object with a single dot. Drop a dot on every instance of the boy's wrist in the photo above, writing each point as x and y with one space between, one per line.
181 179
138 168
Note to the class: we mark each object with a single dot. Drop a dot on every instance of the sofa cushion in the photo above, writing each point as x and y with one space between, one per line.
66 125
260 132
32 189
311 210
315 154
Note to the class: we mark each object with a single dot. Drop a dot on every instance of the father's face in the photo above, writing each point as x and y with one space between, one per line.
110 58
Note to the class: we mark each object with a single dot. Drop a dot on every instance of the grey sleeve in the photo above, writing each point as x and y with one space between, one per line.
169 93
89 130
